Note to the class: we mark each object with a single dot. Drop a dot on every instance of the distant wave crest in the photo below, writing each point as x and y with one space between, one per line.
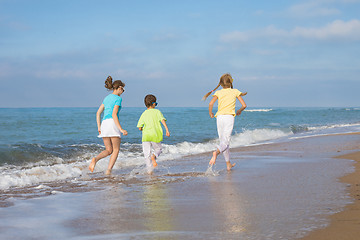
258 110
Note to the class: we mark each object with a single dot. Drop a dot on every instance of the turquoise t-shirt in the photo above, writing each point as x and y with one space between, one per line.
150 121
109 102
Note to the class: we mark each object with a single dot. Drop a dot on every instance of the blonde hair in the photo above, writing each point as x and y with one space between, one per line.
225 81
110 85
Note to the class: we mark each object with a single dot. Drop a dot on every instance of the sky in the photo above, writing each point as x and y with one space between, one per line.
58 53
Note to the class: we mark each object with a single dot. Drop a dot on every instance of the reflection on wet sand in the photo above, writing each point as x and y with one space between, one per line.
229 205
141 210
157 209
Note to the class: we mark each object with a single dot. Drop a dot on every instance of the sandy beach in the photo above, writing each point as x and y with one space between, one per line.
285 190
346 224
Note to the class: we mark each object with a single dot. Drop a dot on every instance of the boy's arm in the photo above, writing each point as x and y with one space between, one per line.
166 127
140 124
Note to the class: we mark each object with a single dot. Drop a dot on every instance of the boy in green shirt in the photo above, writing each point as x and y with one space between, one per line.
152 133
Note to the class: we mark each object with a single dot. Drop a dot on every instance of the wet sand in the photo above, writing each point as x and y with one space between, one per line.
276 191
346 224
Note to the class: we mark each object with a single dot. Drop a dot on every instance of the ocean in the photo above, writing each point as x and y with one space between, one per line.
51 145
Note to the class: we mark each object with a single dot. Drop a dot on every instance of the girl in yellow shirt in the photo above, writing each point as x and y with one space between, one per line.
225 115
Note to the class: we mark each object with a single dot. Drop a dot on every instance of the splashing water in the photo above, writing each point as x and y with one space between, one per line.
211 172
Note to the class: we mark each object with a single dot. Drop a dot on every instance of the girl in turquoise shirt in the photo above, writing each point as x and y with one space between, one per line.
110 129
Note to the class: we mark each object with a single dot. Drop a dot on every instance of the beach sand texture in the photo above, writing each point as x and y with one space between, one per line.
346 224
276 191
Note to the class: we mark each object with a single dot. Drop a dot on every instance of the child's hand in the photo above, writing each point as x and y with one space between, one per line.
124 132
211 115
167 133
238 112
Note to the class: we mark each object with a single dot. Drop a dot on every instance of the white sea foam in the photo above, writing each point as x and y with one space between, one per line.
258 110
46 171
43 172
339 126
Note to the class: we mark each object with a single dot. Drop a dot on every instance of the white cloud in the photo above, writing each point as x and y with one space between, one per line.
334 31
235 36
318 8
58 73
312 9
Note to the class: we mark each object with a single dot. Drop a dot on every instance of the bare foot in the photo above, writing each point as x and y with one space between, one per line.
92 165
229 166
213 159
153 159
108 172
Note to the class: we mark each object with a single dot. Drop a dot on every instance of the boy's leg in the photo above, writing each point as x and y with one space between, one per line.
157 151
147 154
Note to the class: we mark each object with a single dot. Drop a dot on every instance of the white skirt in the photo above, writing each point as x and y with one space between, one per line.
109 129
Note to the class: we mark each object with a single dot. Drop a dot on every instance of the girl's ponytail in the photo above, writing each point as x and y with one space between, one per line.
206 95
225 81
109 83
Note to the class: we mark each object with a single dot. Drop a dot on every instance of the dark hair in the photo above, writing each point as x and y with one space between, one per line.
109 84
225 81
149 100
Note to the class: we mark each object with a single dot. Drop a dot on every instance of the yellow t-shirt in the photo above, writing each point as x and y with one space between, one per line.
226 101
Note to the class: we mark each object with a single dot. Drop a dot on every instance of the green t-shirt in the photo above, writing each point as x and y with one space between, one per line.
150 121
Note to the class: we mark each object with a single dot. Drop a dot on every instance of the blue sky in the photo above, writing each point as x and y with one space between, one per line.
58 53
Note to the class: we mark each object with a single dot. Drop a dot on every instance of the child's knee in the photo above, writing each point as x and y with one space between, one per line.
157 152
116 150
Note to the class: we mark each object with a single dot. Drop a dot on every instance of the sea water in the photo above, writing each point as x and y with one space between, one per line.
39 145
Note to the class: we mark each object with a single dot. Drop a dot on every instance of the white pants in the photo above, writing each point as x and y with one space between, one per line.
147 151
225 125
